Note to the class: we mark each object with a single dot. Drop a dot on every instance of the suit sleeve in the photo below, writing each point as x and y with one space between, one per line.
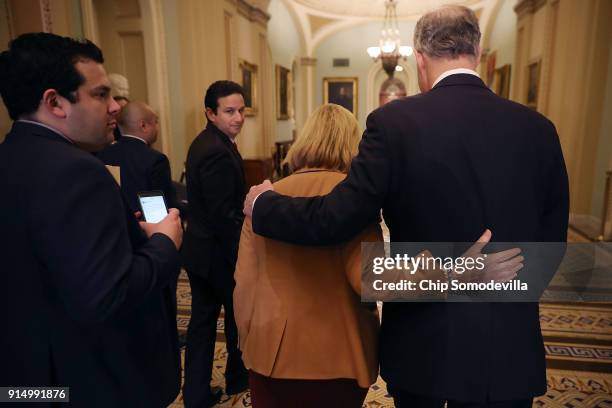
344 212
356 257
161 180
543 260
218 183
81 238
555 214
246 276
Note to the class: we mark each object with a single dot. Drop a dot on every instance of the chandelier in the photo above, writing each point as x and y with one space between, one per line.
390 50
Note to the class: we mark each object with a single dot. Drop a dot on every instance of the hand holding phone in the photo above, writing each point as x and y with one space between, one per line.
170 226
153 206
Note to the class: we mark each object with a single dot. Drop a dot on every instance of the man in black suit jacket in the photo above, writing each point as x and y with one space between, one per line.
215 192
83 294
142 168
444 165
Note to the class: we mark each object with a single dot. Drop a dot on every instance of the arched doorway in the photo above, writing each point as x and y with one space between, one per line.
377 76
392 88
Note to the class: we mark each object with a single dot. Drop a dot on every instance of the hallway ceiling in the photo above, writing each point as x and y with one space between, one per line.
375 8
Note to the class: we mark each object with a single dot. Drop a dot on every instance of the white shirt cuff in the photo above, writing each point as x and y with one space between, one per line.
255 199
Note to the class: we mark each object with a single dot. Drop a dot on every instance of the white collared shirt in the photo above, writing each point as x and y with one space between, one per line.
453 72
135 137
45 126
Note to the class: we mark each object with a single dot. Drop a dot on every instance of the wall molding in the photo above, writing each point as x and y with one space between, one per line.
252 13
528 6
45 14
229 49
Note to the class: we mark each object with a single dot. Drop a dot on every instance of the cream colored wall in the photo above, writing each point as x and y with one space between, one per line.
211 37
248 49
572 40
21 16
284 41
122 41
538 34
502 40
66 18
604 151
26 16
177 105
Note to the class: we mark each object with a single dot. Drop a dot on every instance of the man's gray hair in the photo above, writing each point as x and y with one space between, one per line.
448 32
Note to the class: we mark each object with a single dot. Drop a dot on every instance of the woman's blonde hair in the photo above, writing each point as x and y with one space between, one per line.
329 140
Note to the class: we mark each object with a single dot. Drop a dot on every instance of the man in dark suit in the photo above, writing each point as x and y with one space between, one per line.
83 287
444 165
142 168
215 192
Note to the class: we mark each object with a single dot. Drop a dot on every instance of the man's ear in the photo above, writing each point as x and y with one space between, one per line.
54 103
420 59
210 114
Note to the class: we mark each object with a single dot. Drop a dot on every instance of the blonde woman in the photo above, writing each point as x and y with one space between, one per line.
305 336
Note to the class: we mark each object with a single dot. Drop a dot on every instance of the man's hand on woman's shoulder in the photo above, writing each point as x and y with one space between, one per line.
254 192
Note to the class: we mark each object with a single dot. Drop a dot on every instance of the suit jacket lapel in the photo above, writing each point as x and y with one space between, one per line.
232 148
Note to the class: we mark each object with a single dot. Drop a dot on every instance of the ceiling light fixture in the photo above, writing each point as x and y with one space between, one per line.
390 50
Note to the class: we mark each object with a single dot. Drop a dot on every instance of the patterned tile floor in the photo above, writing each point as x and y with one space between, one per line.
578 341
566 389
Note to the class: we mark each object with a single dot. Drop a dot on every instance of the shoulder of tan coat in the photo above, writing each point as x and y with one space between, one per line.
322 181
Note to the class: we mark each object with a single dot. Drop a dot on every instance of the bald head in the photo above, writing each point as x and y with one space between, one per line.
138 119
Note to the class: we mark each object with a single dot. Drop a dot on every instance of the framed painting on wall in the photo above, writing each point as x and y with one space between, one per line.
502 81
248 73
341 91
533 84
283 86
491 60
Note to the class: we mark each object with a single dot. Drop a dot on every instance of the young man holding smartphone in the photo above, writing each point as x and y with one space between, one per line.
84 289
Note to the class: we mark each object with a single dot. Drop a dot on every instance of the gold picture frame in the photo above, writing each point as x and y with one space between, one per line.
283 92
533 84
342 91
501 84
248 74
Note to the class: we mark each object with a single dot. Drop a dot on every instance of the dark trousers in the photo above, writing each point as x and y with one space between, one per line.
269 392
207 297
404 399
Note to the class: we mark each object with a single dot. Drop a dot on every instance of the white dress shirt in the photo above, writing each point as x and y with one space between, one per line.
135 137
453 72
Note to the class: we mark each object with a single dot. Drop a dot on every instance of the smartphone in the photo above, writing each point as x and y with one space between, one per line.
153 206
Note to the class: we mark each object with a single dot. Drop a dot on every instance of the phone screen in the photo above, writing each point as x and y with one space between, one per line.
153 207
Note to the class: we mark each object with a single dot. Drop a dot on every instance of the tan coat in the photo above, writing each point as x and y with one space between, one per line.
298 308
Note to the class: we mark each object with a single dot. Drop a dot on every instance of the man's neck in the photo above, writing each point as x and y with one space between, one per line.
133 136
232 139
441 66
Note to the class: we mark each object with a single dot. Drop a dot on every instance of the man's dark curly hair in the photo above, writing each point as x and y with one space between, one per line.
36 62
218 90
